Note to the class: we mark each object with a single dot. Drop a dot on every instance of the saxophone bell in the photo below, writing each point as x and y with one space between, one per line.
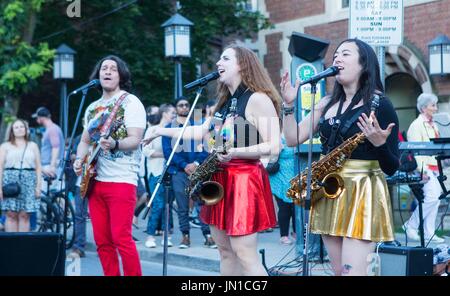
331 186
211 192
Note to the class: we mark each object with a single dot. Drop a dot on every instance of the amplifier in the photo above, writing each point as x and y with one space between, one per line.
405 261
32 254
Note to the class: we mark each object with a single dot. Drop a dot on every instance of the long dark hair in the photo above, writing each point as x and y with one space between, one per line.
369 81
122 67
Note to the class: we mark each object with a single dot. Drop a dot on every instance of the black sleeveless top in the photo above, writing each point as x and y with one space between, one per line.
245 133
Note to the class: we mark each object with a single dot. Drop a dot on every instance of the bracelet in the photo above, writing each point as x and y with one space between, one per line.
288 110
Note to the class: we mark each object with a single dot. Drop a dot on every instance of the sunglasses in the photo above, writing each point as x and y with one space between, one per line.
183 105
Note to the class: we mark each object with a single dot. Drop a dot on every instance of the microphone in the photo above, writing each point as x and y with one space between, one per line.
203 80
92 83
332 71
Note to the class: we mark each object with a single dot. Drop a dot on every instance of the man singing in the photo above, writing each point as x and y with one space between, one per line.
112 197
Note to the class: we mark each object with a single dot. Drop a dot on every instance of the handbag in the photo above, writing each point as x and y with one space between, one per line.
273 167
13 189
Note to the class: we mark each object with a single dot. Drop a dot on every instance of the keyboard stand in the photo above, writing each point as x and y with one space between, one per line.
441 178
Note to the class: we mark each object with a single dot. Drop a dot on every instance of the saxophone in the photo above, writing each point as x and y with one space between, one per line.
325 180
200 186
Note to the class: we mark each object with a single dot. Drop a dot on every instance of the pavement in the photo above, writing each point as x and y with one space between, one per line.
278 258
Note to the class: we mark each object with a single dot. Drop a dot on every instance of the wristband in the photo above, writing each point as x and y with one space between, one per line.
288 110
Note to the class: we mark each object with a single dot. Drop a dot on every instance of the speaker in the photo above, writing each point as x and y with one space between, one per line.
405 261
32 254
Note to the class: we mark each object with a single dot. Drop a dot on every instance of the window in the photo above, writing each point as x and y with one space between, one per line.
251 5
345 3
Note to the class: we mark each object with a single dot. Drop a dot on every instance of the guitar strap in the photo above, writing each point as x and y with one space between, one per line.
112 115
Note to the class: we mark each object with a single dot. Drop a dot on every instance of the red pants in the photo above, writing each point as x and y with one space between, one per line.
111 206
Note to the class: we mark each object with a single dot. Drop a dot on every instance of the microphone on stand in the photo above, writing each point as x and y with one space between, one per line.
203 80
332 71
92 83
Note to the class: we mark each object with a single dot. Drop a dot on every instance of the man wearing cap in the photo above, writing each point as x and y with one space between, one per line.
52 144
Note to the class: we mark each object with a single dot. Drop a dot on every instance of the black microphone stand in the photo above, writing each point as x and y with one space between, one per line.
166 178
66 163
307 205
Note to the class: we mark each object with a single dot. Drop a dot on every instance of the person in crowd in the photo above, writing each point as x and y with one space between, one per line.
20 162
421 130
81 209
116 122
279 183
184 163
52 148
247 205
210 107
360 216
156 160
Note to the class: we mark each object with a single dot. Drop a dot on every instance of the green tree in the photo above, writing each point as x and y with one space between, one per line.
21 63
135 34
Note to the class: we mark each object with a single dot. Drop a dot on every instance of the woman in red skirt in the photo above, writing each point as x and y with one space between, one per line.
250 125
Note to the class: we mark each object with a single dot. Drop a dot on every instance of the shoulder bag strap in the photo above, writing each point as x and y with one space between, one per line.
21 161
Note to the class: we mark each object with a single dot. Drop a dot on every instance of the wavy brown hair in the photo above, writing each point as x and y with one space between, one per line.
12 137
253 75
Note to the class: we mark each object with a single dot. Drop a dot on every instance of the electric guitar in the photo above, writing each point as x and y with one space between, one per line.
89 171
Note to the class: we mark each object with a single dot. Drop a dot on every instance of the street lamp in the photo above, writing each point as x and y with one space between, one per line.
177 40
439 50
63 65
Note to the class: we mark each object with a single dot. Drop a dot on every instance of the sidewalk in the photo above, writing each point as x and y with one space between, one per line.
286 259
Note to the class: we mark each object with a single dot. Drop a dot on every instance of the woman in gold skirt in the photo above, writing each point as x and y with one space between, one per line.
360 216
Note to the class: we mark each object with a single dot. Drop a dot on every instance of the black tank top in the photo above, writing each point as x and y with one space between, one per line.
245 133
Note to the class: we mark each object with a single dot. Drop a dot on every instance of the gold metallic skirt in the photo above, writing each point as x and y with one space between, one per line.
362 211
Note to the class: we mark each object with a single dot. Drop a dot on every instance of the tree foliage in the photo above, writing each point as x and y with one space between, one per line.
135 34
21 63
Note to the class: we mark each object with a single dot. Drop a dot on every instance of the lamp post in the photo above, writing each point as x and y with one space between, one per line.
439 51
177 40
63 69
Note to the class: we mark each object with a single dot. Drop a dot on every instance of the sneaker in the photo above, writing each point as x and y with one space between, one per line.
412 234
435 239
194 223
76 253
150 242
209 242
285 240
169 242
185 242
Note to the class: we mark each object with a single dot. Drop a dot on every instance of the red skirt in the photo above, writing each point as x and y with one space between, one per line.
247 206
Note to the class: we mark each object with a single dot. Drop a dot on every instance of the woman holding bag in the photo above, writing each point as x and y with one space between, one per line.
20 162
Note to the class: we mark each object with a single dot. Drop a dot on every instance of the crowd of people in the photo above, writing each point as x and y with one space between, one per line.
249 125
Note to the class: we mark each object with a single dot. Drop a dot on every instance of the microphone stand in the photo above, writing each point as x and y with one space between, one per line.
166 178
66 164
307 206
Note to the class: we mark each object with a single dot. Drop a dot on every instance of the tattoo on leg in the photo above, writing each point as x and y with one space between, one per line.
346 268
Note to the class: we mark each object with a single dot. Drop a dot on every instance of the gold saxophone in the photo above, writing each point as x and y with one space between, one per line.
200 186
325 181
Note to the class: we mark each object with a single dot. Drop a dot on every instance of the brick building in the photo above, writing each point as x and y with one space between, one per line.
406 68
